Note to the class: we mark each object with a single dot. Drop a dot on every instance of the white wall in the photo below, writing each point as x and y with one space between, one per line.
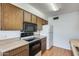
9 34
65 29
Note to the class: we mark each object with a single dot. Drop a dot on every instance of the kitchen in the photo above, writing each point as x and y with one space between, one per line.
39 29
20 32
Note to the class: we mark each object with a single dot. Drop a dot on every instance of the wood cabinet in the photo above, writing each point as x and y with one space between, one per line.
20 51
39 23
0 16
44 22
27 16
34 19
43 45
12 17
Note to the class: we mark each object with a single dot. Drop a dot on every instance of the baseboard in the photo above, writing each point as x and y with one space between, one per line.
62 48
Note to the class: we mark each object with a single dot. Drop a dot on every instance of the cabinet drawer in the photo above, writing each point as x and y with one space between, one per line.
16 50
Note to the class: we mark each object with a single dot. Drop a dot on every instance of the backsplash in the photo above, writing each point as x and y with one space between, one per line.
9 34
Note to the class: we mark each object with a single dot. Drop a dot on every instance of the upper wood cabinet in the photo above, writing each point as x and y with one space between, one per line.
33 19
39 23
27 16
0 16
44 22
12 17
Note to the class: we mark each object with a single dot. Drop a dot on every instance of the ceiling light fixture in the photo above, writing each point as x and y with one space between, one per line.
54 6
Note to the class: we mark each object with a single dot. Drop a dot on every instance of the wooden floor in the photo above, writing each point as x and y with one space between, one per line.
56 51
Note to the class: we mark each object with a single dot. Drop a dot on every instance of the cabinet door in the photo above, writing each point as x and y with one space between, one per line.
27 16
44 22
39 23
34 19
43 45
0 16
12 17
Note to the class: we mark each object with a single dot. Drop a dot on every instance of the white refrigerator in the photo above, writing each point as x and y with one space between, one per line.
48 32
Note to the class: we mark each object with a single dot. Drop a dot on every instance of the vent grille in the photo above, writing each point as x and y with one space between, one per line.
55 18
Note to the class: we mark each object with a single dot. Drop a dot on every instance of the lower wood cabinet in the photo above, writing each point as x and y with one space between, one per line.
43 45
20 51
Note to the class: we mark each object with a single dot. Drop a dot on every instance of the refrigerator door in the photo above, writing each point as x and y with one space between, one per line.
50 39
51 28
45 30
48 32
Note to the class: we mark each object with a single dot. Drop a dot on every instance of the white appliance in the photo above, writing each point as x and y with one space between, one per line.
48 32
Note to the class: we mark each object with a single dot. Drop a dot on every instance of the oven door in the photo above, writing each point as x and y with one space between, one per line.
34 47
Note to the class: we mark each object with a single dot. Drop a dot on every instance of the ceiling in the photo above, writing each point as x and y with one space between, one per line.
64 8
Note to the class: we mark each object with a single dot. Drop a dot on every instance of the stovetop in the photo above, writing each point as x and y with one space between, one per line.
31 39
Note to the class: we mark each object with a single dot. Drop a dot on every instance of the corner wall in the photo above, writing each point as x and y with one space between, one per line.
65 29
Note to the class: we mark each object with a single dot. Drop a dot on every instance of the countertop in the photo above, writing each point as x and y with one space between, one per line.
37 36
9 44
75 42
